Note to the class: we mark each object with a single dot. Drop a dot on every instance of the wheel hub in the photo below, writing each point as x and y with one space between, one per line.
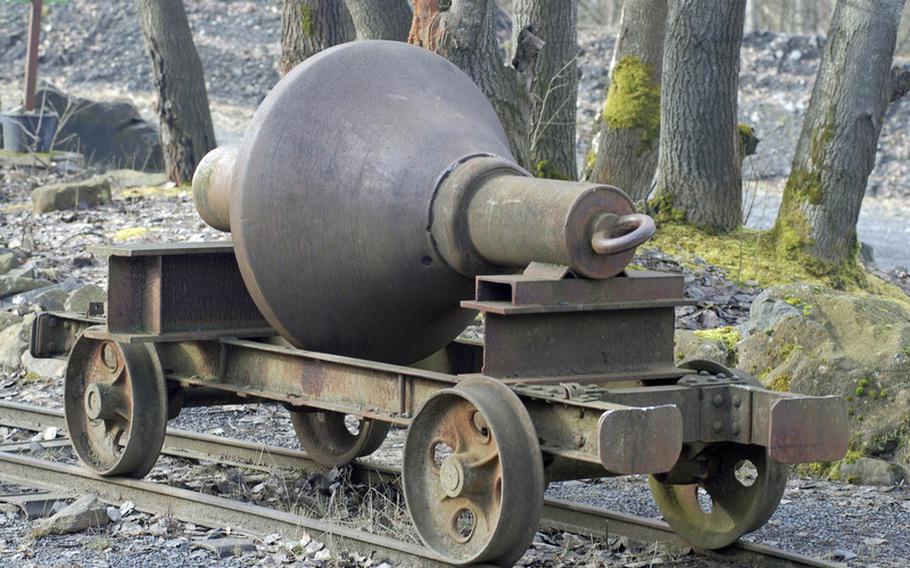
451 476
101 402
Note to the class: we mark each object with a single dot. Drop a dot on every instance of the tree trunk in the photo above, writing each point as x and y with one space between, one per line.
309 26
837 145
554 83
182 104
630 123
465 34
698 172
381 19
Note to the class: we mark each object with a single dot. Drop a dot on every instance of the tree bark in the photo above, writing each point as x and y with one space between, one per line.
554 83
182 104
837 144
309 26
630 122
381 19
698 172
465 34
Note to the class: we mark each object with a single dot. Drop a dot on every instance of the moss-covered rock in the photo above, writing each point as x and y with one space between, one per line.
815 340
692 345
71 195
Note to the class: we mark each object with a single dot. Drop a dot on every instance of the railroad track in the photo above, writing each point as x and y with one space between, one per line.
208 510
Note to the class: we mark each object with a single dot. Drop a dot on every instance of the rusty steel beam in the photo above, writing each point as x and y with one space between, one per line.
31 54
178 292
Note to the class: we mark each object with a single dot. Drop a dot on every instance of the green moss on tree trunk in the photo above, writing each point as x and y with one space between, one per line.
633 99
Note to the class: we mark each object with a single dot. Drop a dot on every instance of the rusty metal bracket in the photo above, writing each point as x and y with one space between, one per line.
53 333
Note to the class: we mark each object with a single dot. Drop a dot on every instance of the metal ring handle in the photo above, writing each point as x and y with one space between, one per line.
633 230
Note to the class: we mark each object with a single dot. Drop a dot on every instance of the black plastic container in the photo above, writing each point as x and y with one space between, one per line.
28 131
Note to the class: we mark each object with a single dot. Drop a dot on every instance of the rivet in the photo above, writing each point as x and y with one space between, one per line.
717 400
735 429
718 426
579 440
721 376
703 373
737 401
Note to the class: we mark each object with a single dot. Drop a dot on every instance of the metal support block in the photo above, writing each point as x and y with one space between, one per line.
540 329
178 291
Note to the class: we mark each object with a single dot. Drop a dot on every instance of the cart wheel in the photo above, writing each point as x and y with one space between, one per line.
473 474
777 473
115 403
334 439
737 501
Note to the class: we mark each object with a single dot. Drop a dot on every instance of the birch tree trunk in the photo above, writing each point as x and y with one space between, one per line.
837 145
465 34
309 26
381 19
554 83
182 103
630 122
698 172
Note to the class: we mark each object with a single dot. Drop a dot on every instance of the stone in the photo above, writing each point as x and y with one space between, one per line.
71 195
51 300
10 259
8 318
80 298
50 297
813 340
85 513
48 368
226 547
10 284
126 179
12 345
108 133
871 471
690 346
767 309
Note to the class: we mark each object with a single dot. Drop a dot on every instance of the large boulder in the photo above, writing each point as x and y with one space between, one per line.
14 342
107 133
71 195
813 340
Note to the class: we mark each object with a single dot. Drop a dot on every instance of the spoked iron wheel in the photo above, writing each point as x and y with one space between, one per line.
473 474
778 473
335 439
735 499
116 406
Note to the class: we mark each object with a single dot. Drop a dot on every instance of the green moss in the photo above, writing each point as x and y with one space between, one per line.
590 160
307 20
748 254
746 140
633 100
662 210
828 470
805 307
727 335
546 169
781 383
860 392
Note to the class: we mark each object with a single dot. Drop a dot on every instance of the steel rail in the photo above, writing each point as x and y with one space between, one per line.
208 510
562 515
